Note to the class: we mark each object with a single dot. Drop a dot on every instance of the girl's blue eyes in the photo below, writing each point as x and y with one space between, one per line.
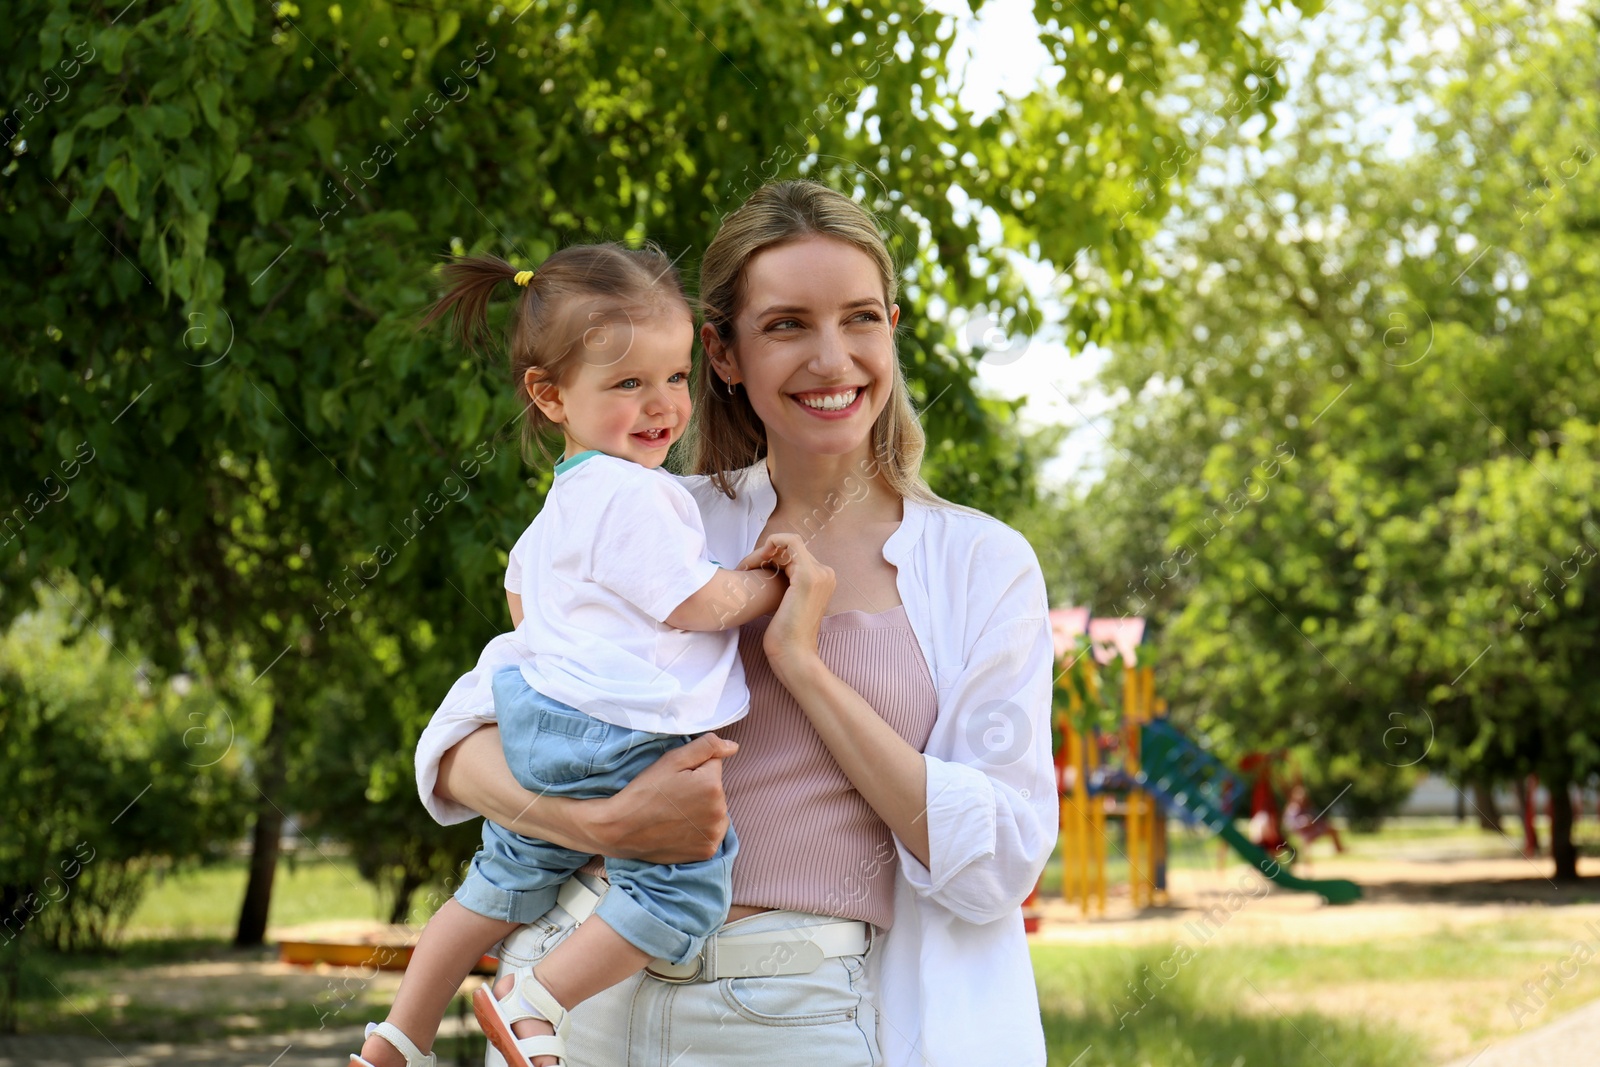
629 383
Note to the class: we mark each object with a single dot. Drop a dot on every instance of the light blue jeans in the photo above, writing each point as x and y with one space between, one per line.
828 1017
665 910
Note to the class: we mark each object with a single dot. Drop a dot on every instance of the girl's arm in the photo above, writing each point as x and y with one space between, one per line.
514 602
673 812
731 598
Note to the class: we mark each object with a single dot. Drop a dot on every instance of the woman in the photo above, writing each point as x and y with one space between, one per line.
894 772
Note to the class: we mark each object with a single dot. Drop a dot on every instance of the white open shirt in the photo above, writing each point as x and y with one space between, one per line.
954 979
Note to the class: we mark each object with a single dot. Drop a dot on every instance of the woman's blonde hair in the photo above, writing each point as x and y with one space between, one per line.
729 436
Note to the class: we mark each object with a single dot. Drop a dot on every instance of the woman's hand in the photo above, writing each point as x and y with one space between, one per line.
672 812
791 639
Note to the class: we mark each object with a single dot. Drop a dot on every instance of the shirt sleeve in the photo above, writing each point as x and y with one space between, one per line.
468 705
991 799
515 567
648 545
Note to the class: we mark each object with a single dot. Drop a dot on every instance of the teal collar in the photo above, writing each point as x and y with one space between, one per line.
572 461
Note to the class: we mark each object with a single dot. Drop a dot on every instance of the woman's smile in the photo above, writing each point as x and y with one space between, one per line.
836 403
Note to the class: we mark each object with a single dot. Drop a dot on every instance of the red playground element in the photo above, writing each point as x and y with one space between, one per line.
1530 832
1266 821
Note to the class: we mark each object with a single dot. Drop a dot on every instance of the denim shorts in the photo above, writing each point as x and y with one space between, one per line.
826 1017
667 910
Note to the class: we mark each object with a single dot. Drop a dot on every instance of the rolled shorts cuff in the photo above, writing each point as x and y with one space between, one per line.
477 894
645 931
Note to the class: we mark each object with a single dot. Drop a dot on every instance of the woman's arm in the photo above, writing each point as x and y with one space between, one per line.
889 774
673 812
975 816
885 769
992 808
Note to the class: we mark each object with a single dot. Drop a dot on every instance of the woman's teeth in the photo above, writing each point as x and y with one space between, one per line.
830 401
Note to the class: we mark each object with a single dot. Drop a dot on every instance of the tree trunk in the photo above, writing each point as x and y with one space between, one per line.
10 956
1562 849
410 882
1483 801
268 831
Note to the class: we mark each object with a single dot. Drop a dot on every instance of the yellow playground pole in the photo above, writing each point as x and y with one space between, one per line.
1083 833
1136 816
1084 840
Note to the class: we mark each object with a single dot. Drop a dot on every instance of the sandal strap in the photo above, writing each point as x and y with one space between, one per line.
545 1045
529 999
403 1044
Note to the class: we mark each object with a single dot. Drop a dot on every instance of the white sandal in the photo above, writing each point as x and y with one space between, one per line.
402 1044
527 999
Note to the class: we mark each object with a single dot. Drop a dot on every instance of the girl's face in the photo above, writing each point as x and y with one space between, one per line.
628 393
813 344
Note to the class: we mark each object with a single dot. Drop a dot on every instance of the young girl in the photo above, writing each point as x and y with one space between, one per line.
627 639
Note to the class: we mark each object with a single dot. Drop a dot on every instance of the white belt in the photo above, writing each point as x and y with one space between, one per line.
799 950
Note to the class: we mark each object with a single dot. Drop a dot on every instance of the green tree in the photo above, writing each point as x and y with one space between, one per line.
222 226
104 777
1376 403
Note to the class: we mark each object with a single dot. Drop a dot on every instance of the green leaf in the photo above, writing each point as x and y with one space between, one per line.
320 132
60 152
449 26
122 178
244 15
110 44
101 117
240 167
209 93
135 502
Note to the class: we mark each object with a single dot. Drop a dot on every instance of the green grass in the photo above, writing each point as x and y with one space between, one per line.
1160 1008
1235 1004
1232 1004
205 903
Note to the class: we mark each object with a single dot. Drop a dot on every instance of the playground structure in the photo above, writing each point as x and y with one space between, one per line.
1117 756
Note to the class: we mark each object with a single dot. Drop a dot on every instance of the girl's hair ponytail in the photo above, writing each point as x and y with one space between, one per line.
469 283
570 296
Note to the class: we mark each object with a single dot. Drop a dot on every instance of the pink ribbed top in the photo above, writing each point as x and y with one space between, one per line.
807 839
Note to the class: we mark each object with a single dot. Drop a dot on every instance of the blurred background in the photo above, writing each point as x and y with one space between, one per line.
1271 325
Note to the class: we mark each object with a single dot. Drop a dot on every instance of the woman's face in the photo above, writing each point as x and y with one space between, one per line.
813 344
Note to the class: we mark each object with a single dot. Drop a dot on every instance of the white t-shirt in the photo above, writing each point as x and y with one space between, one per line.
616 548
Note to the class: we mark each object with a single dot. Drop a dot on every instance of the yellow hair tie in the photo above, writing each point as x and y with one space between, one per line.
523 277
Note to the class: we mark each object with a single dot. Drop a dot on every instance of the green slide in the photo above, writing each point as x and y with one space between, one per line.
1200 788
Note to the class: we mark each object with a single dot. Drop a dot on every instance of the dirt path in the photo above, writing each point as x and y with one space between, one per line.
1415 896
1402 898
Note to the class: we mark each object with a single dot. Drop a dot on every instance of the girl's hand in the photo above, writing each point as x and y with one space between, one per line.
791 639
